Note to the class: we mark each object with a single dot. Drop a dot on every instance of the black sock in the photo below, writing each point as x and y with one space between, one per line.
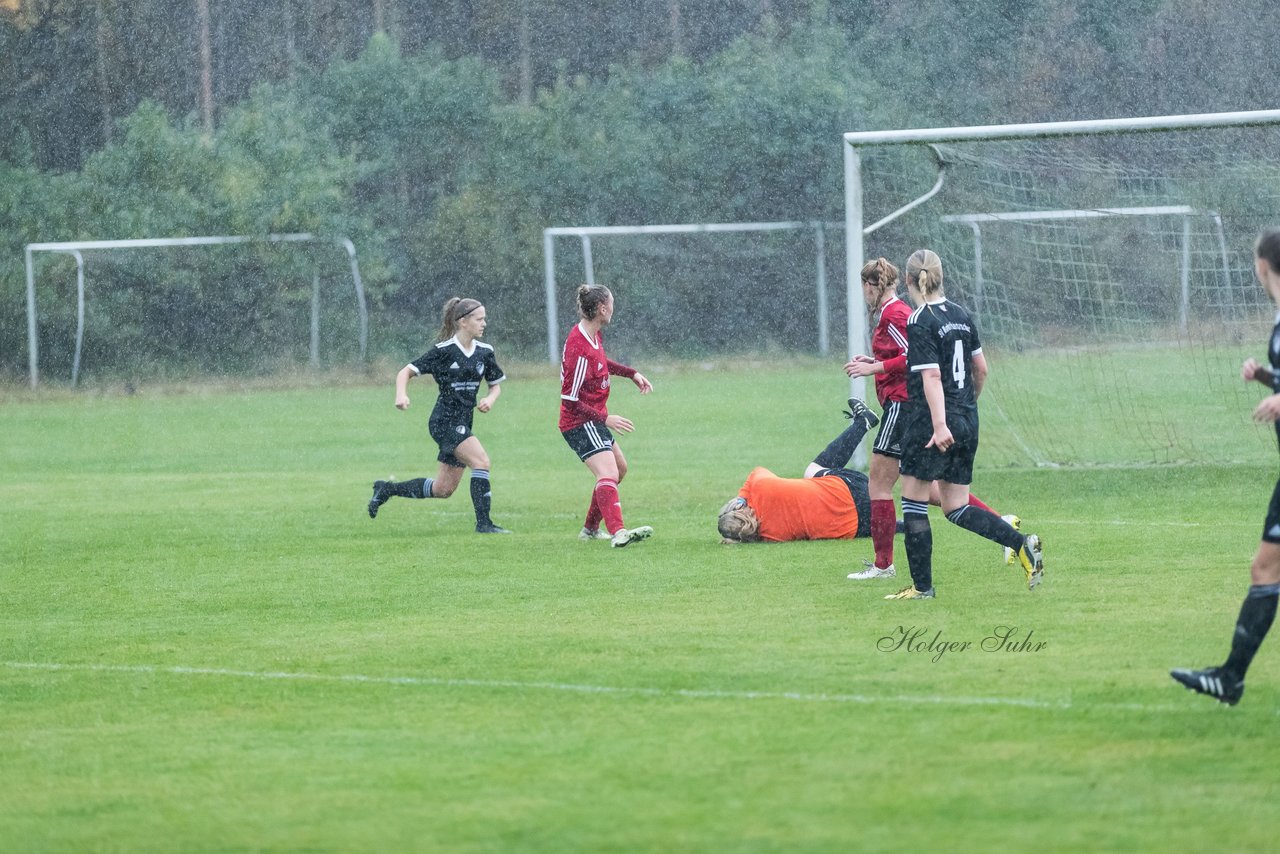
419 487
987 524
481 497
1256 615
918 540
837 454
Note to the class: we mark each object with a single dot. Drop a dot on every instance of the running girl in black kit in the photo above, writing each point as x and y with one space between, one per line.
458 364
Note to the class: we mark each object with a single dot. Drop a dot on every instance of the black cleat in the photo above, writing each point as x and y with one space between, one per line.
1212 681
858 409
490 528
381 494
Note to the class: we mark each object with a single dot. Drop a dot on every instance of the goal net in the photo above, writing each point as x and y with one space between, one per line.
1111 275
702 289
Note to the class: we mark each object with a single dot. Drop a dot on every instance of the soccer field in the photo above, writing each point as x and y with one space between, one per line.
208 645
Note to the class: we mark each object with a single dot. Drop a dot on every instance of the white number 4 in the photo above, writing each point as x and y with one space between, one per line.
957 365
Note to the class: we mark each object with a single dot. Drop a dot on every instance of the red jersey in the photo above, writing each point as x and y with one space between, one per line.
889 346
810 508
584 379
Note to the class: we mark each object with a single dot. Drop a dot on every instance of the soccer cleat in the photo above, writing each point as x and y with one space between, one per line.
1212 681
1014 522
912 593
1031 556
490 528
873 571
626 537
594 534
858 409
381 494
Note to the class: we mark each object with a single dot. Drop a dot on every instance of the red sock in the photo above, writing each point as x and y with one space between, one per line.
975 501
593 515
884 524
609 504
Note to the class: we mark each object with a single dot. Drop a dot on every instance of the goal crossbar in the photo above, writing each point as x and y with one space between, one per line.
585 233
75 247
854 141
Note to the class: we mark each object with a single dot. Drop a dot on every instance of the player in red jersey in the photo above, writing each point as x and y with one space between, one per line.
585 421
888 364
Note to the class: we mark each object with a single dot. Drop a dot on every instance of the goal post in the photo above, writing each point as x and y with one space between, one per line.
76 249
585 234
1106 262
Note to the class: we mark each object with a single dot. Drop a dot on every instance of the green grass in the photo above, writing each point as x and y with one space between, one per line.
207 645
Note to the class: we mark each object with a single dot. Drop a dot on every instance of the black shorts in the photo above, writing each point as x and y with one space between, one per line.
589 439
857 483
449 429
953 466
889 439
1271 527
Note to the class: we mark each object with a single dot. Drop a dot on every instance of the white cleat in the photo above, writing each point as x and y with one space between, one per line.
873 571
626 537
587 534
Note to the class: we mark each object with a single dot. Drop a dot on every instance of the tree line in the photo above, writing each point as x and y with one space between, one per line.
442 137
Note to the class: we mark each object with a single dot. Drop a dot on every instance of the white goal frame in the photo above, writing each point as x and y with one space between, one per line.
975 222
75 247
585 233
855 141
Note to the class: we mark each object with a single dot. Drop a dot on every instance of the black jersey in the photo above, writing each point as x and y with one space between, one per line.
942 335
459 374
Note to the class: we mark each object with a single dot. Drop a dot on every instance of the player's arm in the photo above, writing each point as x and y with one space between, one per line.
942 438
402 386
980 369
1268 411
1251 370
486 403
620 370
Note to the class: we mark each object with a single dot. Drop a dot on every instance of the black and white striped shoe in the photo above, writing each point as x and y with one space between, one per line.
858 409
1213 681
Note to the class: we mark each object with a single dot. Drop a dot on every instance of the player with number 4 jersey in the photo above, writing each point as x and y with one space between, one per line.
945 373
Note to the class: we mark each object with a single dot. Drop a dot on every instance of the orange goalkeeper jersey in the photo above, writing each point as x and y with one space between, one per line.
811 508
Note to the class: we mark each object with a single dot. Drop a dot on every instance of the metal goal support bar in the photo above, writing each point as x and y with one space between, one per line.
74 248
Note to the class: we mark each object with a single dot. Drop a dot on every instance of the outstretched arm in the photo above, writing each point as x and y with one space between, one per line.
402 387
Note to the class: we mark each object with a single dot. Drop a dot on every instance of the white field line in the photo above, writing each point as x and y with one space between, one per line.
1214 523
565 687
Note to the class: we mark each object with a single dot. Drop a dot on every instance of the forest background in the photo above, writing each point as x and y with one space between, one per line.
443 136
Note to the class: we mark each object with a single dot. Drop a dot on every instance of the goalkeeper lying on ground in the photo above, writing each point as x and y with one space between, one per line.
830 502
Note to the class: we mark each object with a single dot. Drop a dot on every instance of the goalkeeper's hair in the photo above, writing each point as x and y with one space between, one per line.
924 270
737 523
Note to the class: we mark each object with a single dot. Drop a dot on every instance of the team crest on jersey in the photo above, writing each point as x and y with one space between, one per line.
479 369
460 429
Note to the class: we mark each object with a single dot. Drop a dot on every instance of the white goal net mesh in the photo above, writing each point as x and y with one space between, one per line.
1112 279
